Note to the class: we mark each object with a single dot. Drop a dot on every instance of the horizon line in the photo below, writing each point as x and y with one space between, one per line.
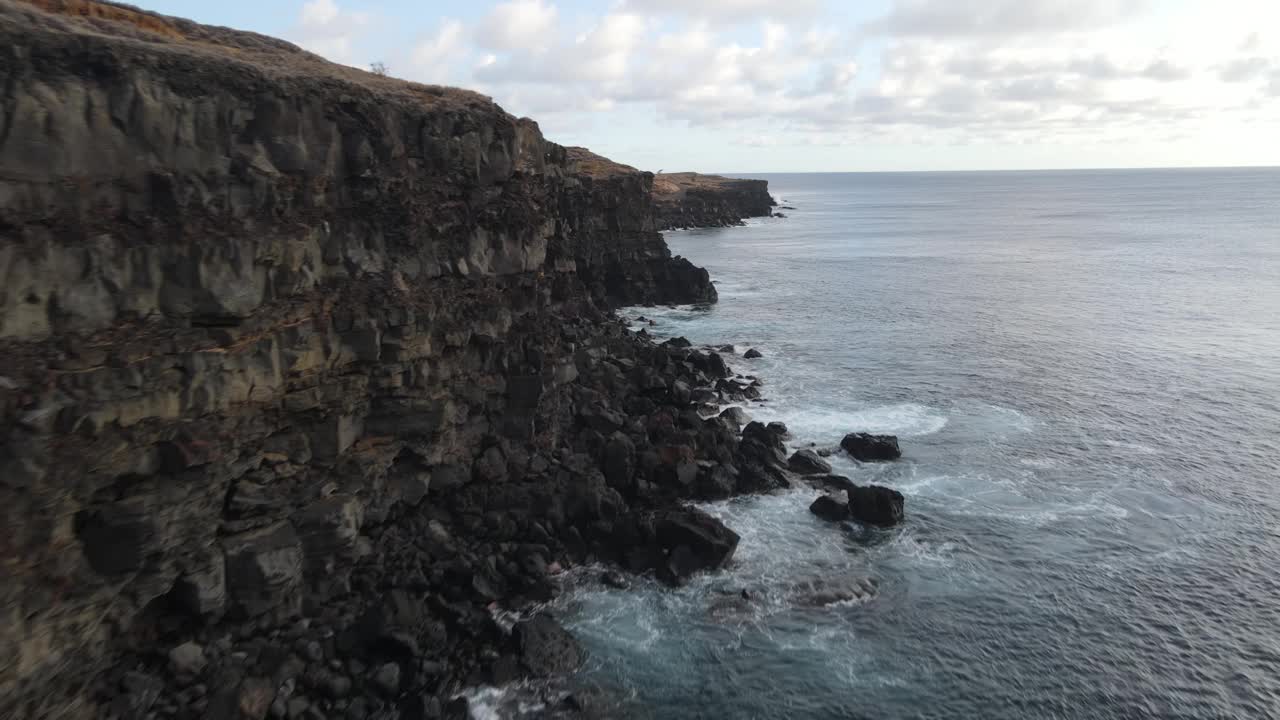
987 170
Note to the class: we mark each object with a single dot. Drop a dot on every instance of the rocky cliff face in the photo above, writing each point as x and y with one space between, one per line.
301 368
688 200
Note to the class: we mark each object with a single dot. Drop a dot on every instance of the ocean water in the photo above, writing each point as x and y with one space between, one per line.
1084 371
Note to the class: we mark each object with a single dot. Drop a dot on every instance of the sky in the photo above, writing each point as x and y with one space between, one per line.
831 85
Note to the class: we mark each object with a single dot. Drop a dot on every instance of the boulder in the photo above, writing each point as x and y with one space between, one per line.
674 544
187 661
763 444
619 461
831 508
693 541
872 505
876 505
544 648
681 393
264 570
736 415
752 354
871 448
807 462
387 679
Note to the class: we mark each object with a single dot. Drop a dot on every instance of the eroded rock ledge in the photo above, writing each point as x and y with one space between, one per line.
303 371
689 200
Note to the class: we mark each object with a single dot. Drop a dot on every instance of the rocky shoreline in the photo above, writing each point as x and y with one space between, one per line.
308 373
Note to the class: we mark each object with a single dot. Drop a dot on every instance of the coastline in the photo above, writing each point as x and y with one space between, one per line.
284 432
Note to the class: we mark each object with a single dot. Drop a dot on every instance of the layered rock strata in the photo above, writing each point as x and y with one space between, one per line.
305 371
689 200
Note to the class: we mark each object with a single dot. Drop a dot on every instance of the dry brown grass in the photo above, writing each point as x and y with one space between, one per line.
110 13
677 183
593 165
275 57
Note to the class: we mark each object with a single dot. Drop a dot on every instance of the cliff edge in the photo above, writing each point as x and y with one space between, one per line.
689 200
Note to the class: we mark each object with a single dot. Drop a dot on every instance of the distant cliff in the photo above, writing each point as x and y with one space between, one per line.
686 200
303 370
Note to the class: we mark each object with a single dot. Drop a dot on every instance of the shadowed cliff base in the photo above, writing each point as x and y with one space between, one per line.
306 373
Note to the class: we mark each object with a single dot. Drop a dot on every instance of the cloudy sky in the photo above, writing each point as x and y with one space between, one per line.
832 85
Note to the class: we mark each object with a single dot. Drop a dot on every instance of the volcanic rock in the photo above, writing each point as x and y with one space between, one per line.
871 448
807 462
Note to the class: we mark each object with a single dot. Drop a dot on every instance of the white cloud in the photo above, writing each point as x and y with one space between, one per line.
932 71
328 30
319 13
431 60
733 11
517 25
949 18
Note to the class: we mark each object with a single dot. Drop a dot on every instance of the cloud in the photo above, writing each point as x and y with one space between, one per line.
517 25
319 13
1245 69
431 59
731 11
803 73
948 18
326 29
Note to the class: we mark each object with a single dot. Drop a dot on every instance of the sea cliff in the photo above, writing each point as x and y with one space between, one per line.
305 372
690 200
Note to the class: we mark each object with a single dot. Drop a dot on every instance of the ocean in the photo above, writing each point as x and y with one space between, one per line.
1084 371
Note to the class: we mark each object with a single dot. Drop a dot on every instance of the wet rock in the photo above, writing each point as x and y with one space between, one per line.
876 505
717 481
763 444
871 448
544 648
710 363
823 592
692 541
752 354
615 580
736 415
681 394
807 462
831 508
727 349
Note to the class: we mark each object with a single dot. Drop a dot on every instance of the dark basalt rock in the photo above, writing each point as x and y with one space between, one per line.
872 505
807 462
544 648
831 508
752 354
675 544
736 415
871 448
688 200
876 505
